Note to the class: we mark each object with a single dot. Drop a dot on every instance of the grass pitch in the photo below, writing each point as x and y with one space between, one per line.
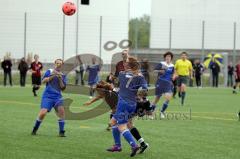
211 131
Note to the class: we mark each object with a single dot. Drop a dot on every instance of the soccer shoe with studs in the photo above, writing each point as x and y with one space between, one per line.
114 148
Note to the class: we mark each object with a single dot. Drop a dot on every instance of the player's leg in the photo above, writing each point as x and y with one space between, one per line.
46 106
183 88
116 136
155 101
168 97
61 121
39 120
91 91
237 84
121 117
183 94
134 131
109 123
129 138
179 84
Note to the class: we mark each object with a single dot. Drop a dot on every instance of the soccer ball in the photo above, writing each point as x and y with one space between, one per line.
69 8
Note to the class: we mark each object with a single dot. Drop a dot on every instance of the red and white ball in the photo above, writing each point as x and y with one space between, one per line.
69 8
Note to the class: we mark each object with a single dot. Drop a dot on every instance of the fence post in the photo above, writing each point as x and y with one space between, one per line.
225 68
100 38
170 34
234 42
63 38
203 41
25 36
77 24
136 36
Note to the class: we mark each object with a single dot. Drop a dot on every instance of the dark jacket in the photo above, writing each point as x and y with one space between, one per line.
230 70
215 68
198 69
6 66
23 67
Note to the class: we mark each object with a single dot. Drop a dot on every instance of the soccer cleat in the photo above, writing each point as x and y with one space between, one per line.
234 92
34 132
108 127
62 134
162 115
34 93
114 148
179 94
134 151
143 148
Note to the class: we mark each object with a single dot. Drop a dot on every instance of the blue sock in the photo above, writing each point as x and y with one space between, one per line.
61 123
116 136
37 124
165 105
128 136
153 107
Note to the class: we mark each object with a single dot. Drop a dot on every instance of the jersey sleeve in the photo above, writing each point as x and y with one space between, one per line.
47 74
65 80
143 83
41 66
158 67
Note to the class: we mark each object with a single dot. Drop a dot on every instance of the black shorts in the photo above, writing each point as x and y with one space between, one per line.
237 80
36 80
182 80
142 108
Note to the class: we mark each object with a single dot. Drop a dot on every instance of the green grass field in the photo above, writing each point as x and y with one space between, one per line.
212 133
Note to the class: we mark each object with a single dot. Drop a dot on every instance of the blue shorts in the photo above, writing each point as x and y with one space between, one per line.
163 87
124 112
48 103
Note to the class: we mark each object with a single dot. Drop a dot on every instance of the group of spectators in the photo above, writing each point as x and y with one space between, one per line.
198 69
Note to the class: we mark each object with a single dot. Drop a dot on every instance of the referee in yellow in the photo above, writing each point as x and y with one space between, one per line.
183 71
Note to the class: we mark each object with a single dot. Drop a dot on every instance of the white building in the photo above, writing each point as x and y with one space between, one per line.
187 24
44 27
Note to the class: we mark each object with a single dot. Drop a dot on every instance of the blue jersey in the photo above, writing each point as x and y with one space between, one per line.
53 89
129 85
93 74
169 71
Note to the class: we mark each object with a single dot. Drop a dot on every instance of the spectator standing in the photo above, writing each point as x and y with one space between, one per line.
23 68
7 69
215 73
230 74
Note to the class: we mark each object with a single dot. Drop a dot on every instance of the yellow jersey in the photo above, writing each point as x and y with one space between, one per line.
183 68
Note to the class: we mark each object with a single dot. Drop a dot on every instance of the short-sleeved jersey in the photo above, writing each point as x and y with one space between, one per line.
129 85
183 67
36 67
53 89
93 73
238 70
169 71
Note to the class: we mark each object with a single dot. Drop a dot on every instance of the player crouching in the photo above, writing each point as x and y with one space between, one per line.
52 98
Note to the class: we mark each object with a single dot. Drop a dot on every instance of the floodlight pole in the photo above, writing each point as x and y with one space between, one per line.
234 43
77 24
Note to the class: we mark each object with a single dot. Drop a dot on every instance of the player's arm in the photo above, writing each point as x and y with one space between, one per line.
48 77
61 83
159 69
93 100
175 74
